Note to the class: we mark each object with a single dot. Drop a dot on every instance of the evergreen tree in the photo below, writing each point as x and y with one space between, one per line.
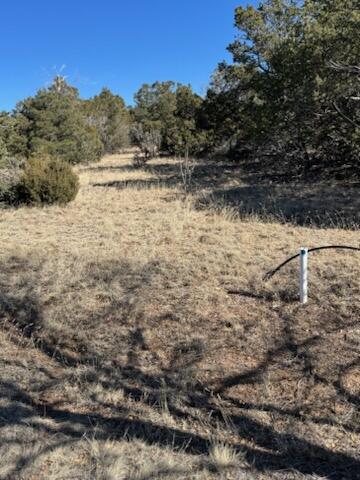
13 135
54 124
108 114
281 92
171 109
183 135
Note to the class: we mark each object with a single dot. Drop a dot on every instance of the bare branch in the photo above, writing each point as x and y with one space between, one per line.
340 67
345 117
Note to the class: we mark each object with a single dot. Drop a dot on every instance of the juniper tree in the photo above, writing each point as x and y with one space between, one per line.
108 114
54 124
280 91
171 109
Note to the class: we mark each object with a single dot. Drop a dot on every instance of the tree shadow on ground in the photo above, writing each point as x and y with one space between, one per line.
277 170
306 202
306 198
190 402
168 175
273 451
305 205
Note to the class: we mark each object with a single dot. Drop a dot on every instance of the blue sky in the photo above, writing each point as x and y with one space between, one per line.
119 44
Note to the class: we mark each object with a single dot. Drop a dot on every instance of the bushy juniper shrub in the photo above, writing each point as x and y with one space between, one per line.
46 180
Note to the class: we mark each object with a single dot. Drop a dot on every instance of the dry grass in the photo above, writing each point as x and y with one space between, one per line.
222 457
123 356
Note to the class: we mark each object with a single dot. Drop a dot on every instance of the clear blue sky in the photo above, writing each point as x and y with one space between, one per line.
115 43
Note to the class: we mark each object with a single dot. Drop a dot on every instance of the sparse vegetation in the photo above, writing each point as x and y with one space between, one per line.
141 349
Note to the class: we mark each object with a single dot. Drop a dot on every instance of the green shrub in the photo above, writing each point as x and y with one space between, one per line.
9 176
47 180
9 180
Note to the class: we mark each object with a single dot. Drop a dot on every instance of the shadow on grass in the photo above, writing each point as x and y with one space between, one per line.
168 175
305 205
307 202
281 451
195 403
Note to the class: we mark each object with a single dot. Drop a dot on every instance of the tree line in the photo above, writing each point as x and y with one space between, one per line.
291 94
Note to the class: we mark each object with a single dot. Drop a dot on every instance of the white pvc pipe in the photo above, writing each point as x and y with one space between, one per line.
304 275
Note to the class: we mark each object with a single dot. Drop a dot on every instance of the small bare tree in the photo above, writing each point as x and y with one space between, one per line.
187 167
138 160
149 142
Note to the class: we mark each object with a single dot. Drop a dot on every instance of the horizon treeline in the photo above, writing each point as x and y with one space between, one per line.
291 93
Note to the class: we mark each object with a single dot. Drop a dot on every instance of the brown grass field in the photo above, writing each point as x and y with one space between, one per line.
124 357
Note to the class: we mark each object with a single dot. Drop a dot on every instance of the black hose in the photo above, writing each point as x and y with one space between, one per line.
270 274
